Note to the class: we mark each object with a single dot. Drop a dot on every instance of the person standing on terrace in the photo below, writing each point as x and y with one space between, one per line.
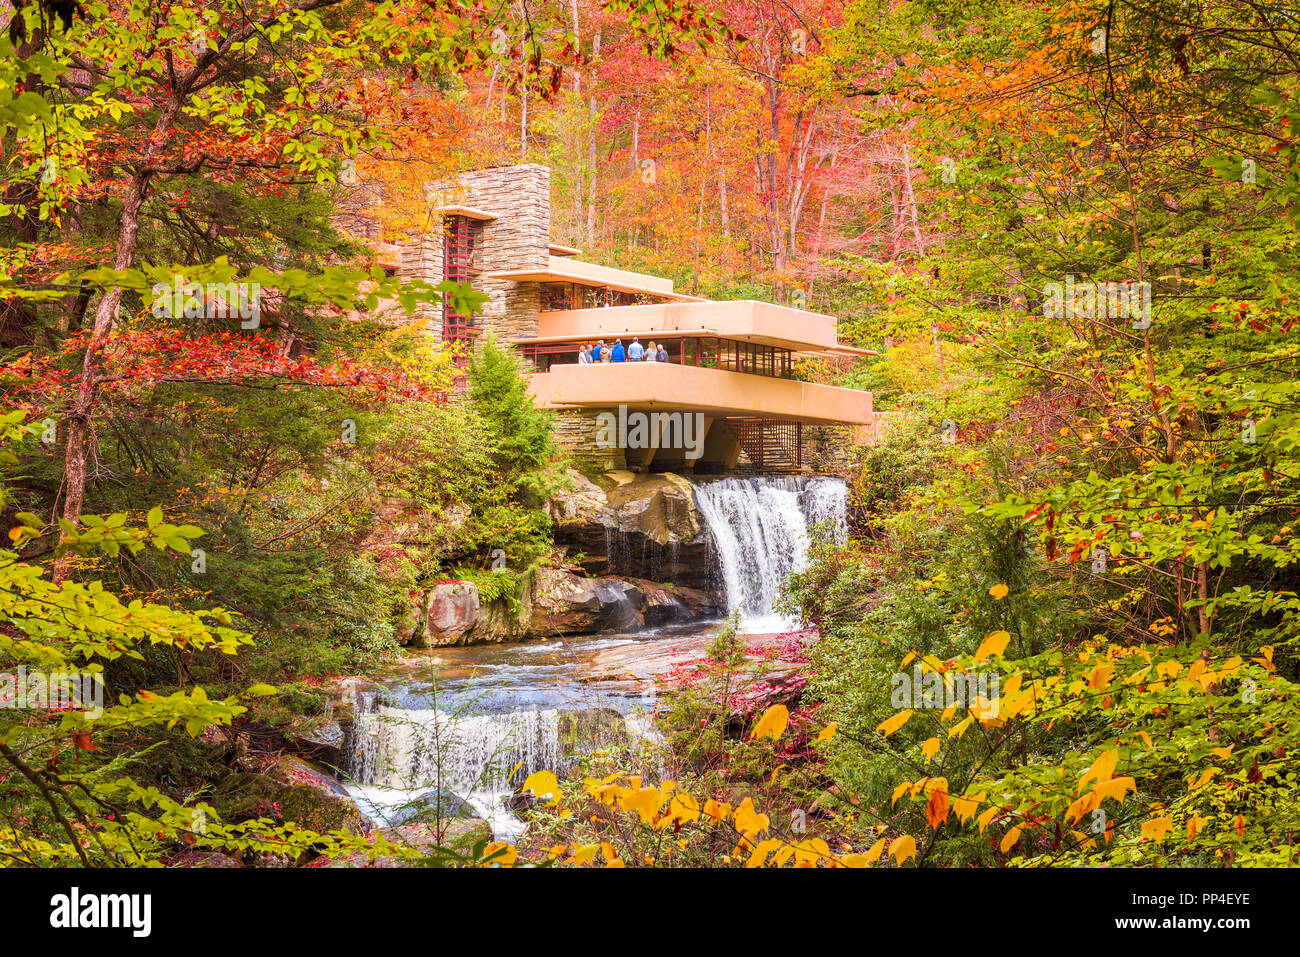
584 355
663 354
651 354
597 349
617 353
635 350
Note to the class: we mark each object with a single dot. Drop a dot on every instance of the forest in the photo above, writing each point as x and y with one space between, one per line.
315 558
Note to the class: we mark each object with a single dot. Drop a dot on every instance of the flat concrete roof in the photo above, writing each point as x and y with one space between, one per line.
747 320
566 269
717 392
469 212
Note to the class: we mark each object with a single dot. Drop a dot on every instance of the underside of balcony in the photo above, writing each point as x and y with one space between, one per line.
714 392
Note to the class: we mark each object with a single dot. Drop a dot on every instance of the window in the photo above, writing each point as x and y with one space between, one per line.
462 239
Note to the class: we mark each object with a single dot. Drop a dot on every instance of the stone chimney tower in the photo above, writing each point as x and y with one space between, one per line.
486 221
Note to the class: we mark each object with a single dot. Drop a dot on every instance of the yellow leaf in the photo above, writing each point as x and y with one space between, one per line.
645 801
873 855
716 812
828 732
890 725
1081 806
965 805
748 821
1114 788
584 853
984 819
1157 828
930 748
506 854
999 592
542 784
764 848
1102 769
684 808
994 643
810 852
773 722
902 849
1195 824
853 860
958 729
1009 840
1224 753
1203 780
900 791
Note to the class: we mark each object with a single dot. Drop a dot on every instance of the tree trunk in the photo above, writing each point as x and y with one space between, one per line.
77 455
591 147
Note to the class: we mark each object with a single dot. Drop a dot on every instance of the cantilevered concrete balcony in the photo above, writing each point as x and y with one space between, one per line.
745 320
714 392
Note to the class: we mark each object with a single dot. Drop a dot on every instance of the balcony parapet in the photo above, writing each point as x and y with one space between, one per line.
714 392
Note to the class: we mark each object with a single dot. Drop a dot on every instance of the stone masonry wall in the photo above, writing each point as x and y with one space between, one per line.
519 238
826 448
576 431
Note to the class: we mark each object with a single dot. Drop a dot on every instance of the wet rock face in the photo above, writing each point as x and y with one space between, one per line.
451 612
568 604
564 603
645 526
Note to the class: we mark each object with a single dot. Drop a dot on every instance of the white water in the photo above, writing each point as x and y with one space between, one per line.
760 528
399 754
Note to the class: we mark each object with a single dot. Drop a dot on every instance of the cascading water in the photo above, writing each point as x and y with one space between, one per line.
760 529
399 754
403 752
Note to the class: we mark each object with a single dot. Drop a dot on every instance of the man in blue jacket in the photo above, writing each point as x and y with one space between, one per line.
597 349
617 354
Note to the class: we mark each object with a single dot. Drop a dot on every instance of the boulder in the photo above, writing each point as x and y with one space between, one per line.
660 508
668 604
314 798
451 612
564 603
642 525
317 740
430 806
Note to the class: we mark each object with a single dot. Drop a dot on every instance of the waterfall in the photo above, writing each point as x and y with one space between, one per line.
760 529
403 748
399 753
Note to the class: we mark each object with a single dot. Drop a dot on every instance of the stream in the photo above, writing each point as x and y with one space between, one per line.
469 723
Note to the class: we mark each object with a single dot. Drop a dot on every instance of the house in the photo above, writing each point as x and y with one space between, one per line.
726 400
